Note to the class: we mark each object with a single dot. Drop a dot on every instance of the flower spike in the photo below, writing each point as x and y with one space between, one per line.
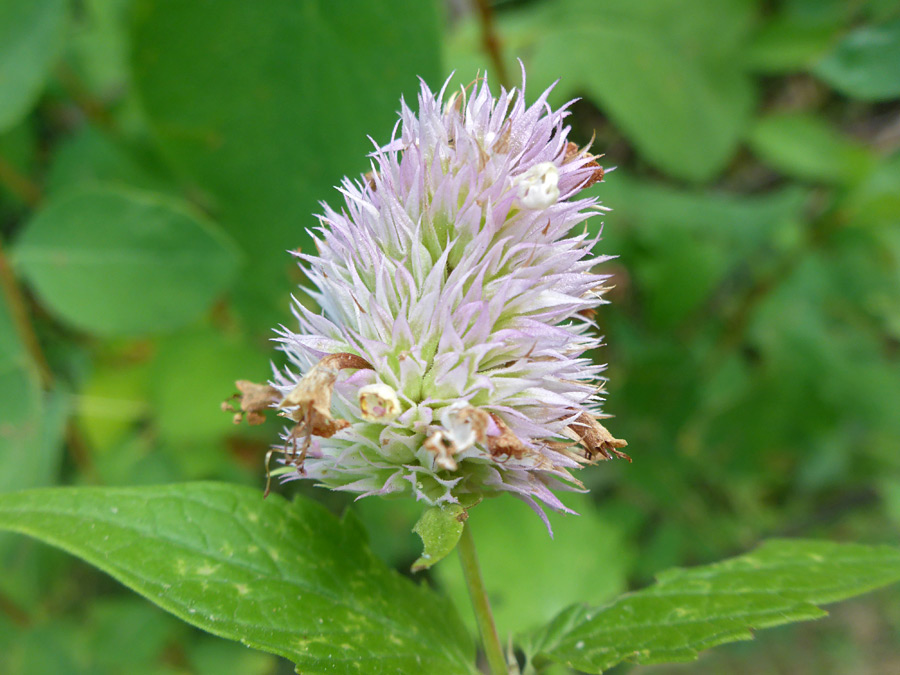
457 287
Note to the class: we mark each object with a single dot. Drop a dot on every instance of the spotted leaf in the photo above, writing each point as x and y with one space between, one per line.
284 577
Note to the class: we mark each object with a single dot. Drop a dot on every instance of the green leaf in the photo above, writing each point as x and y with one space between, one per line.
521 562
31 34
689 610
805 147
290 91
440 528
670 77
865 63
99 45
121 262
286 578
93 157
789 44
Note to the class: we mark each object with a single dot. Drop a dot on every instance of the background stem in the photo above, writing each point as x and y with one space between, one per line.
10 289
490 42
478 594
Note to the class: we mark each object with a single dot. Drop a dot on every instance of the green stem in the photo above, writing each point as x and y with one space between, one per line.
478 594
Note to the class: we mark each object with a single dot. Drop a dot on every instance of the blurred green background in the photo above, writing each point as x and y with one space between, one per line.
159 157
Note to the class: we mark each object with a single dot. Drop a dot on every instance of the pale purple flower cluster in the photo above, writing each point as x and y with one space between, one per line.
455 275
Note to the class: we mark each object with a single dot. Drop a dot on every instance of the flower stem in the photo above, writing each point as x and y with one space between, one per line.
490 42
482 607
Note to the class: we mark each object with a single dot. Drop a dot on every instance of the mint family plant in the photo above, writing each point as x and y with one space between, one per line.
445 362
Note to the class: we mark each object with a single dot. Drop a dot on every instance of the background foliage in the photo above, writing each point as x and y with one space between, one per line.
158 157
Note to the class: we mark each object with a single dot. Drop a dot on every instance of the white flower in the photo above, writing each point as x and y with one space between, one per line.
538 188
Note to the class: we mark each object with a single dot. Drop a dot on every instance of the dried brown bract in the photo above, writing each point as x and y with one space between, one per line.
310 400
596 439
255 399
506 443
573 152
308 404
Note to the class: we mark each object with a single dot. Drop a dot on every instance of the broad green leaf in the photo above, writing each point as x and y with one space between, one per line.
669 74
31 34
440 529
800 32
99 45
865 63
521 562
120 262
680 95
789 44
91 156
265 106
805 147
287 578
689 610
